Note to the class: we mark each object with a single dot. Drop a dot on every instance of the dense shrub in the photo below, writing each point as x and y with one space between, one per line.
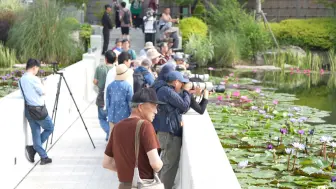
201 48
232 26
316 33
192 25
41 32
199 10
73 23
8 9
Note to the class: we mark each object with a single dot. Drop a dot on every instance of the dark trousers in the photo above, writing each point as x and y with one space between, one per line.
150 37
106 34
136 20
117 20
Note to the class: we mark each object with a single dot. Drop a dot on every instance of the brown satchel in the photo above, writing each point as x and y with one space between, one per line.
137 182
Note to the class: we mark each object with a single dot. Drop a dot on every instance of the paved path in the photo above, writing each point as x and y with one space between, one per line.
75 163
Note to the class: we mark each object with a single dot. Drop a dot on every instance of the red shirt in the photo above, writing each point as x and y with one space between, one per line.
121 147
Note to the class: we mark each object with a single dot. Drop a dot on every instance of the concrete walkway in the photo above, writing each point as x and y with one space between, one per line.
75 163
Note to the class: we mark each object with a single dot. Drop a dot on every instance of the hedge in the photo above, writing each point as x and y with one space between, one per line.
192 25
315 33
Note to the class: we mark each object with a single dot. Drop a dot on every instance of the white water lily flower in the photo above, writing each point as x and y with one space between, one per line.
326 139
333 144
289 150
242 164
298 146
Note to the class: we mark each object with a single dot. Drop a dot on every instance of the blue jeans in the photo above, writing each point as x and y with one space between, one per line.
38 137
102 116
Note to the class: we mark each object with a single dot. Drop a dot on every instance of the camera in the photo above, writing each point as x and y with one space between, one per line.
204 77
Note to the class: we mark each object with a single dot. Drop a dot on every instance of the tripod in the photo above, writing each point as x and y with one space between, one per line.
56 104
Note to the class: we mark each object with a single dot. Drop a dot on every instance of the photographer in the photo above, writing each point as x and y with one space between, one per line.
35 111
202 105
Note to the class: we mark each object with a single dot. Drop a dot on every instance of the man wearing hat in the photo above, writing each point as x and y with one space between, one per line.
120 148
168 123
118 96
107 26
148 45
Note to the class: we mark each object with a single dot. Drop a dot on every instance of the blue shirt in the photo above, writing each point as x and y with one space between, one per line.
118 101
149 78
32 89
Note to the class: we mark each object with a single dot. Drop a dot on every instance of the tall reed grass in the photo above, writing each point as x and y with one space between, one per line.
7 57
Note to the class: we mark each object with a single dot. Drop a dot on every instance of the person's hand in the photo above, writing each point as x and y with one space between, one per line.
187 86
198 91
205 94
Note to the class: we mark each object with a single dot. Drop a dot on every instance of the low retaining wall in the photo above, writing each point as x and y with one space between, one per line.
15 132
203 161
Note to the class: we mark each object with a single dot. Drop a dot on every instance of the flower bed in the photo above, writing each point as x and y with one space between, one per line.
271 143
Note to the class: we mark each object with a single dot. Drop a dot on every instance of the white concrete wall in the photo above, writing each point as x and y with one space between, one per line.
203 163
14 130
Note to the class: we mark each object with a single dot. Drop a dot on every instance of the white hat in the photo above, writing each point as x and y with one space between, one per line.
123 72
153 53
149 45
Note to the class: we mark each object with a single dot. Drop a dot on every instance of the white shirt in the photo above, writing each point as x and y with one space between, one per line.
110 77
149 24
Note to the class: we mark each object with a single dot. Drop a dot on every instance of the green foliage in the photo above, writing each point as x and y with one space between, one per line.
77 3
201 48
41 31
227 49
99 11
85 34
226 19
10 5
199 10
7 57
73 23
192 25
315 33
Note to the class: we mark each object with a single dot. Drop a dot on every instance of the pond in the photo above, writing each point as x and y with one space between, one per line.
277 128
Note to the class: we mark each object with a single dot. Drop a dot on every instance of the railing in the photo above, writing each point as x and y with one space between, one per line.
15 132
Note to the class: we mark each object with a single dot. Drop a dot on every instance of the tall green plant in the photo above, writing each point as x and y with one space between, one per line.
201 48
11 5
227 49
7 57
42 32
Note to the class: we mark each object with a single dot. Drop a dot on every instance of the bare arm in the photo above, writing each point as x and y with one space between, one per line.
154 160
109 163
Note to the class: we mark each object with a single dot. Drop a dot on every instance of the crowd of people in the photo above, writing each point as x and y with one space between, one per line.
153 88
140 103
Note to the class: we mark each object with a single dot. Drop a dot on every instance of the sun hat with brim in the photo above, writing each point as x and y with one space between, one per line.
153 53
176 75
123 72
149 45
146 95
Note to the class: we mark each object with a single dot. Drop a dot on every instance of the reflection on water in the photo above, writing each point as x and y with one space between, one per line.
314 90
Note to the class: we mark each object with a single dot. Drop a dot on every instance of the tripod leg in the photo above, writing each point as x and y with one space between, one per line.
53 117
73 99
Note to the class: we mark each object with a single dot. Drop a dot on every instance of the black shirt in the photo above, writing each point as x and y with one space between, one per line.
106 21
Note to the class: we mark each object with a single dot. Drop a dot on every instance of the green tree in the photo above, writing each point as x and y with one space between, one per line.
77 3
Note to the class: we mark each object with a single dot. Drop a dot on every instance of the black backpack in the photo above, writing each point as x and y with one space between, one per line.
126 17
139 81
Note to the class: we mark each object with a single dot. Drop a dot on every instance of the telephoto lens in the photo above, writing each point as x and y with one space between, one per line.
202 85
204 77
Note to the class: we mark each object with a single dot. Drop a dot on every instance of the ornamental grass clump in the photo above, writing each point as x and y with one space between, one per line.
41 31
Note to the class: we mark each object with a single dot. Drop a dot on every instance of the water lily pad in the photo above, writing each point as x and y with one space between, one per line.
280 167
263 174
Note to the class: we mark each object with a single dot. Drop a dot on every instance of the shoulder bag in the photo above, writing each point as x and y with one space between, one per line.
35 112
137 182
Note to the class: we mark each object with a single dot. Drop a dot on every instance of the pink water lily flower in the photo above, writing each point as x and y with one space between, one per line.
254 71
228 96
222 83
275 102
211 68
220 98
258 90
231 74
321 71
236 94
235 85
244 99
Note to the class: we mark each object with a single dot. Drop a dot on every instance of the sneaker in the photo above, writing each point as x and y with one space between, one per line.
30 153
45 161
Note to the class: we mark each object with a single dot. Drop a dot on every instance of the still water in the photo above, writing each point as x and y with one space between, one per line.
314 90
